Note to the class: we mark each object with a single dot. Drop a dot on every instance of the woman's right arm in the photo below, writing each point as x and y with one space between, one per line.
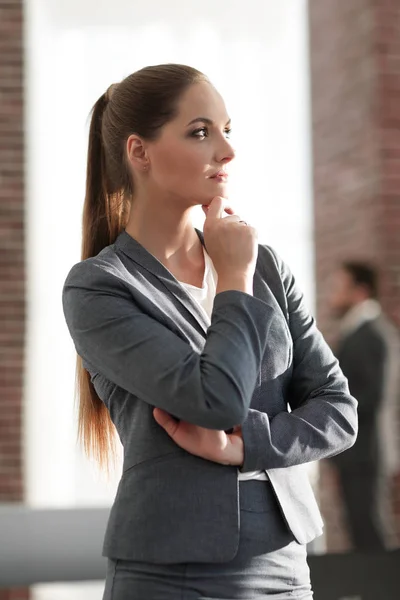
133 350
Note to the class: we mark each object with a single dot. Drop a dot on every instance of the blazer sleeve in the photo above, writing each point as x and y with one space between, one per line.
113 334
323 417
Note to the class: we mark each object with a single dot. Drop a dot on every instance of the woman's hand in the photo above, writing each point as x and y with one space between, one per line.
232 246
216 446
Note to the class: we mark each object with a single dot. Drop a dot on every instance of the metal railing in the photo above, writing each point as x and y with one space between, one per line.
39 546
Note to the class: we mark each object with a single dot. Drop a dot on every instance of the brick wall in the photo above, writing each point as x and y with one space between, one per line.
355 91
387 61
387 43
12 269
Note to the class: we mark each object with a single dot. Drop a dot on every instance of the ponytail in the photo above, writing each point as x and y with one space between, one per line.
105 209
104 217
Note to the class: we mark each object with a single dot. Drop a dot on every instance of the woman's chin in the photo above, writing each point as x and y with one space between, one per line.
208 199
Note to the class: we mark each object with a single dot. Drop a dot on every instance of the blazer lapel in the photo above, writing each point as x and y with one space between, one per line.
141 256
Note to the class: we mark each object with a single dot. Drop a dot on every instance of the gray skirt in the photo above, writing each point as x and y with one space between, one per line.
269 563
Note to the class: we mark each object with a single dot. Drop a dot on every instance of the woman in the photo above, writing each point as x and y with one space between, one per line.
193 347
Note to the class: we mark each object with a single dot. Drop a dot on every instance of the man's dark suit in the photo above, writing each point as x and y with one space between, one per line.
362 355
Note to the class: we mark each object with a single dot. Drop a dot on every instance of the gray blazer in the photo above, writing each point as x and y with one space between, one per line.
261 363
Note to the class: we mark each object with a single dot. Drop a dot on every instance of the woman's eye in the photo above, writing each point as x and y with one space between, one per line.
200 133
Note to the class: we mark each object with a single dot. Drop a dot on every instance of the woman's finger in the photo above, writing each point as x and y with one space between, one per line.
165 421
216 208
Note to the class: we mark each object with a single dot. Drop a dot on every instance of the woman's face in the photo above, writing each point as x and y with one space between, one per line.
189 159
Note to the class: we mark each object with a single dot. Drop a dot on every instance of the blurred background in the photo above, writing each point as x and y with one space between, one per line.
313 89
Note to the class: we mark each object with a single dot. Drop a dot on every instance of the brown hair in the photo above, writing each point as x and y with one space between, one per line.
142 103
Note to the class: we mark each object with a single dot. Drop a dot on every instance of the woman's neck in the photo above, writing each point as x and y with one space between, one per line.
167 233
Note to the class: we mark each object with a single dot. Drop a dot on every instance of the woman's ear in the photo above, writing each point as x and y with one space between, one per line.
136 153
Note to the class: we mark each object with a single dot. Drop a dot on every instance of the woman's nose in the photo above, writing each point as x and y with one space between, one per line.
226 152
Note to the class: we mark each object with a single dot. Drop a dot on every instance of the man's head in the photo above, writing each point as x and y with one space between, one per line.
353 282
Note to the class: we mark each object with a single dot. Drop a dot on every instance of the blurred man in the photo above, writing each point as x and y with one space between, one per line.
368 352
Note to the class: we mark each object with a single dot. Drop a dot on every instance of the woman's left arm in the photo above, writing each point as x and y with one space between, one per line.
323 417
323 421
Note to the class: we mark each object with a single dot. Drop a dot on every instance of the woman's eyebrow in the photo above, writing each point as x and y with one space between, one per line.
205 120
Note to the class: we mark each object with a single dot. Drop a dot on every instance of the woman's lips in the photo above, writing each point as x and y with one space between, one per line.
220 177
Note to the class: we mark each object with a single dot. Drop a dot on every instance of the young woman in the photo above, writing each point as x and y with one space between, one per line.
197 348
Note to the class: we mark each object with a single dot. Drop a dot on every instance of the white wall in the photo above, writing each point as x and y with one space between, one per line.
256 54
